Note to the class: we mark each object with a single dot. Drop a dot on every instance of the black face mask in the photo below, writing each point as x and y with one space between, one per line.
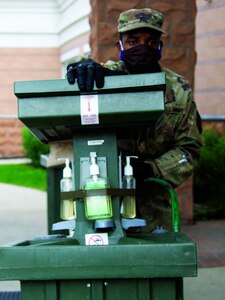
142 59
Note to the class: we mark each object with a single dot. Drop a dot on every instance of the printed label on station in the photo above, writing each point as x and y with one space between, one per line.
95 142
96 239
89 109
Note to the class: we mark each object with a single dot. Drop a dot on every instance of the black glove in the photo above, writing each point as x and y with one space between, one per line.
141 170
87 72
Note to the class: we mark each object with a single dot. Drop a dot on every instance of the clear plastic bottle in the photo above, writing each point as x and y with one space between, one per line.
67 206
96 207
129 182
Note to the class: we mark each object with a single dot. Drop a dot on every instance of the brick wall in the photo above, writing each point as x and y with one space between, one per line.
10 137
21 64
178 52
185 197
210 46
75 43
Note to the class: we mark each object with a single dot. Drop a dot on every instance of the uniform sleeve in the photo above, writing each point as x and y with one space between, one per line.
114 66
176 165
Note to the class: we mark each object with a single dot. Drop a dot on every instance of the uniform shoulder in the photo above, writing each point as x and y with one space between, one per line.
178 91
176 81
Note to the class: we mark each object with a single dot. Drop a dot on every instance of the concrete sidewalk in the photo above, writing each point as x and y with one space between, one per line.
23 215
210 239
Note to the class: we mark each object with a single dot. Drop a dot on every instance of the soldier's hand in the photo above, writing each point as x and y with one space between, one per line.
141 170
87 72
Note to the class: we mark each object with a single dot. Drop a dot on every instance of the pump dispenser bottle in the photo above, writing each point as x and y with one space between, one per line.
67 207
129 182
100 206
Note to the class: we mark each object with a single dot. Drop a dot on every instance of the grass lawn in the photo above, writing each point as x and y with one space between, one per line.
24 175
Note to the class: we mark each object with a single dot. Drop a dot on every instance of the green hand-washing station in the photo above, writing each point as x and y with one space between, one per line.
135 266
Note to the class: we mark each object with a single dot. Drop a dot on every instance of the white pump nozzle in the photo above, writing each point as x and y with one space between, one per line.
128 170
67 172
94 168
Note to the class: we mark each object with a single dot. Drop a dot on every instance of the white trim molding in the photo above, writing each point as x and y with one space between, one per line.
43 23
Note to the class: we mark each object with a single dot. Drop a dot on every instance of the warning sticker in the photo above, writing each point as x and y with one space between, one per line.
96 239
89 109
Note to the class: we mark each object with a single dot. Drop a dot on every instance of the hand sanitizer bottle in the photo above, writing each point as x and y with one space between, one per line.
129 182
67 206
100 206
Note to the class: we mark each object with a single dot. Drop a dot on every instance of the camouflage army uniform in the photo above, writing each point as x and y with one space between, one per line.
171 147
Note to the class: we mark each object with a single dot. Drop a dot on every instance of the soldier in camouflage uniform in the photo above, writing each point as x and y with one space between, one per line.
169 149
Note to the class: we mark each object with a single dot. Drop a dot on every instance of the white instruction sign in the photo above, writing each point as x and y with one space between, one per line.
89 109
96 239
95 143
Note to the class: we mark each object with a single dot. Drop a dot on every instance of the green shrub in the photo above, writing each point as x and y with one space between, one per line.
209 177
32 147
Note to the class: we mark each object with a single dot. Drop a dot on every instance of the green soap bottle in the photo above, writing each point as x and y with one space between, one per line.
96 207
129 182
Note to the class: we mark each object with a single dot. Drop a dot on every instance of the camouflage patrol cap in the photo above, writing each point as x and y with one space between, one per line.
140 18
